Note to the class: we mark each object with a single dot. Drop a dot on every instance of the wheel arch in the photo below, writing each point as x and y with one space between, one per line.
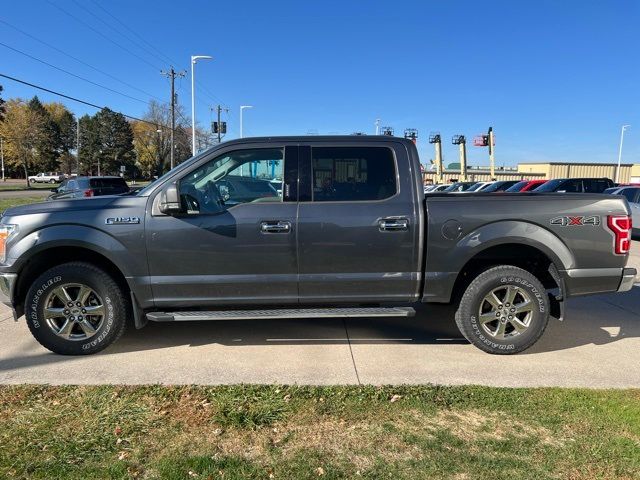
47 258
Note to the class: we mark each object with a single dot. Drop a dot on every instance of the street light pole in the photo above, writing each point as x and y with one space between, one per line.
194 59
242 107
624 127
2 157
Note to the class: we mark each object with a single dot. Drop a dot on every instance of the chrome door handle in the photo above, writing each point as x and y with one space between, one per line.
393 225
276 226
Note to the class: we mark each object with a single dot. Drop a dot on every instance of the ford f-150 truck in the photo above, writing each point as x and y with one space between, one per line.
349 234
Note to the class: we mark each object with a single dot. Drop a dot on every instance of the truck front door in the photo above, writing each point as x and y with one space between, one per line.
358 223
235 240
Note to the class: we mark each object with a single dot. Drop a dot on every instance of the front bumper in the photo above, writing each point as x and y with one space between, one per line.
7 286
628 279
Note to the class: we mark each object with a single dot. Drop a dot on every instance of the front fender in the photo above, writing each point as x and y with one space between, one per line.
72 236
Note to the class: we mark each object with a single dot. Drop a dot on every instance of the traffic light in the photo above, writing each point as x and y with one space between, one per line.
219 128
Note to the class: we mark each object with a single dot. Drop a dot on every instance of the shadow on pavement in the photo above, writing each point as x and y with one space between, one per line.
595 320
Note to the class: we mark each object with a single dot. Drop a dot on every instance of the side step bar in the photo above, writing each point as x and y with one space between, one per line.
281 313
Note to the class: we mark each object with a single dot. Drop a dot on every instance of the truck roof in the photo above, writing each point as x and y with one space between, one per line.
323 138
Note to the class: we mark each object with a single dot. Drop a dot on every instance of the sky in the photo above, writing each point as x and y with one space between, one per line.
555 79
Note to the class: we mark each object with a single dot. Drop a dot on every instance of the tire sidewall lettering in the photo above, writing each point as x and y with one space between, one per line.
34 304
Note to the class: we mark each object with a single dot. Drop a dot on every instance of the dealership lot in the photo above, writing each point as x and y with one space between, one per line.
598 345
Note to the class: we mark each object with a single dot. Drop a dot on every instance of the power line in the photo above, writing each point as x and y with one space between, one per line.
117 31
84 102
133 32
72 74
79 60
103 35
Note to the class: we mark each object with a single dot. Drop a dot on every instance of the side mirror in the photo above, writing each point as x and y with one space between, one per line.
170 200
54 190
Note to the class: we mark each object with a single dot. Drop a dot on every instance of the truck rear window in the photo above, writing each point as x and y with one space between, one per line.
343 174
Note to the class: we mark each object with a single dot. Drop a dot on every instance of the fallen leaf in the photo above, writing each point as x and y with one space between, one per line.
395 398
320 471
117 430
122 455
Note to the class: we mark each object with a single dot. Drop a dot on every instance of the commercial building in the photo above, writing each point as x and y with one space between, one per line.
629 173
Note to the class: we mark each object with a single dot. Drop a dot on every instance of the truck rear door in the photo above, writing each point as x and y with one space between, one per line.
359 223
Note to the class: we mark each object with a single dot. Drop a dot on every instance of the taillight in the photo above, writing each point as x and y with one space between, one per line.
88 193
620 225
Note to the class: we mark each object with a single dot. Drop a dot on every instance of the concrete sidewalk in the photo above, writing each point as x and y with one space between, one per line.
597 346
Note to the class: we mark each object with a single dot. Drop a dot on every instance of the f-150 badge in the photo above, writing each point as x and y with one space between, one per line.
122 220
577 221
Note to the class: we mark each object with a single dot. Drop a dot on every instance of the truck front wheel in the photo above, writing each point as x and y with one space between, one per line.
505 310
76 309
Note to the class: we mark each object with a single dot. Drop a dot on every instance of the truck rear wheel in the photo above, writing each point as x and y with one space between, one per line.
505 310
76 309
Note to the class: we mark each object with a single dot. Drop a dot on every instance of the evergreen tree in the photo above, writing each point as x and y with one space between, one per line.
89 151
116 142
47 152
2 106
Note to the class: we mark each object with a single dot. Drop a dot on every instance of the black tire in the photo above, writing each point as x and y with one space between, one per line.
116 307
52 181
473 302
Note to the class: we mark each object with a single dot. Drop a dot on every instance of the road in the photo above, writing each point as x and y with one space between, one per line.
34 192
598 345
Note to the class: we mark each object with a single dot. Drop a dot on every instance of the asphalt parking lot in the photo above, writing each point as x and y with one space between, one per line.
598 345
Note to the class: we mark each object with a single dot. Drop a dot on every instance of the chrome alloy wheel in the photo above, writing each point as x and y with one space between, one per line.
74 311
506 312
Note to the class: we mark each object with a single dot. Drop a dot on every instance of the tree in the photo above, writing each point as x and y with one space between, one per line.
152 139
106 143
2 105
116 141
23 132
89 148
49 139
66 125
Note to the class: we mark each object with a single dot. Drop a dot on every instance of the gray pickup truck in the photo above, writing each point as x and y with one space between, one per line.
350 233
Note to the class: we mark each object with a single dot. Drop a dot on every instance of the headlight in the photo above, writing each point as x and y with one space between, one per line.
5 232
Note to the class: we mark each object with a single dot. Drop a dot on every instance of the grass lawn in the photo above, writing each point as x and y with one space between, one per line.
15 201
241 432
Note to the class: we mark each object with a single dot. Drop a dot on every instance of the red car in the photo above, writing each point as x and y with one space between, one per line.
525 185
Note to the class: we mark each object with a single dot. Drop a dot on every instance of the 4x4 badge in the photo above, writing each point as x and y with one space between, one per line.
122 220
575 221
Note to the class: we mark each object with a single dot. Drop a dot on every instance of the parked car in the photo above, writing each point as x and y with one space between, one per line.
81 187
477 186
439 188
352 236
576 185
525 186
499 186
50 177
632 194
458 187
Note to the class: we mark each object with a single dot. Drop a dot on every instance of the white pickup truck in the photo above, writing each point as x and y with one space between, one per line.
50 177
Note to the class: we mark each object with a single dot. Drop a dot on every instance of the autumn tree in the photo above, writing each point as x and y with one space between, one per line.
23 133
152 139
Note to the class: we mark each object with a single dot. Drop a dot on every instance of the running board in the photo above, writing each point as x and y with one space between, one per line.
282 313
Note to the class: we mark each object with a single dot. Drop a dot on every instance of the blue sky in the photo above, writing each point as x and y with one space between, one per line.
556 79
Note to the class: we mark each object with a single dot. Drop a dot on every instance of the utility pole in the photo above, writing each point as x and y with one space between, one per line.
172 74
220 127
78 146
377 126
